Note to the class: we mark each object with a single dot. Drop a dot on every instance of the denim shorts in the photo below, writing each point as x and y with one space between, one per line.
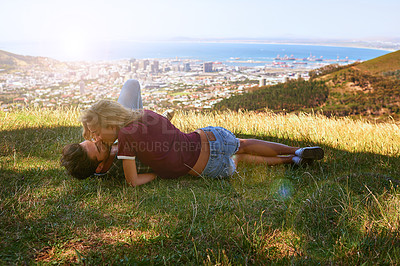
220 163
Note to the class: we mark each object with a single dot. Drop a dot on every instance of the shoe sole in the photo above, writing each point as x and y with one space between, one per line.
315 153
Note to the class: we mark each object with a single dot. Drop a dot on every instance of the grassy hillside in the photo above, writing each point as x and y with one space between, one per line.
370 89
342 210
289 96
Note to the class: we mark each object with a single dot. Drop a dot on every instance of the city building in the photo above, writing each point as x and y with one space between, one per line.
207 67
186 67
82 87
263 82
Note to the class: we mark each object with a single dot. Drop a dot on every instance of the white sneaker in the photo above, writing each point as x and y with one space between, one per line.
169 114
299 161
316 153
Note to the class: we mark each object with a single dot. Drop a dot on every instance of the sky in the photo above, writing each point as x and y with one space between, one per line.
74 23
22 20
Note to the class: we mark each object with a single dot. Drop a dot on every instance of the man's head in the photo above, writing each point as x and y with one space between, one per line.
84 159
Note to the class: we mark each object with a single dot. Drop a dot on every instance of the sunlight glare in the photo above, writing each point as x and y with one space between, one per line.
74 44
282 189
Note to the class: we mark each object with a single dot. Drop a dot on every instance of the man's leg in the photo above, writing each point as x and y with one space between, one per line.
130 95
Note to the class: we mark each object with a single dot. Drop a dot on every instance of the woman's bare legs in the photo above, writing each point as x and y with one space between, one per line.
249 158
264 148
272 153
259 151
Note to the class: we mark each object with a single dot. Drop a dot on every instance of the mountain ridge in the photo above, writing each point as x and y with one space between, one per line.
11 60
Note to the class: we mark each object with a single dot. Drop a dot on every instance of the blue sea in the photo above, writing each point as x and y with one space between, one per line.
260 53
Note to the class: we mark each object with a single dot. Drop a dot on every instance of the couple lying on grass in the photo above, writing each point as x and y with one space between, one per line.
147 138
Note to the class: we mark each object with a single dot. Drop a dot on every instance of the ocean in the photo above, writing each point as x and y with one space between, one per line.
229 53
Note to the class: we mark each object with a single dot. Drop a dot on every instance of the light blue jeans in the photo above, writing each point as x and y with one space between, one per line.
220 163
130 95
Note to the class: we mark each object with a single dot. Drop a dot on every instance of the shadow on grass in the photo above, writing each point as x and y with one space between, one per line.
336 205
328 212
357 170
39 142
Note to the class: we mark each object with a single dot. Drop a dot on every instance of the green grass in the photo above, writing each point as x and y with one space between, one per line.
342 210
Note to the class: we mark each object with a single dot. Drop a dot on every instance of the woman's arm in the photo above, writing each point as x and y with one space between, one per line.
131 175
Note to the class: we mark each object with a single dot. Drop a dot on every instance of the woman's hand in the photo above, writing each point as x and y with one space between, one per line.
131 175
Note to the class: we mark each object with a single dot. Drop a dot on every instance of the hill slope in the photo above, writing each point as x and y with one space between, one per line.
371 88
382 65
10 60
290 96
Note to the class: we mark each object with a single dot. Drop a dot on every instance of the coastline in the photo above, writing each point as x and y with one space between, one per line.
327 44
112 51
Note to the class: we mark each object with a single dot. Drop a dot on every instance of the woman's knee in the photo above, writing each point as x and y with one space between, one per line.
132 84
130 95
242 146
237 158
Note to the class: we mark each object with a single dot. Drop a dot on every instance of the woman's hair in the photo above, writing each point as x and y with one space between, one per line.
77 162
106 113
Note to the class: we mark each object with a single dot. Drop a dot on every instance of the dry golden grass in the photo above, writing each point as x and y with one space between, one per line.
339 133
36 117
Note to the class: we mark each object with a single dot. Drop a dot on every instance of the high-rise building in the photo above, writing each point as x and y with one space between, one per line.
133 65
176 68
207 67
155 67
143 64
186 67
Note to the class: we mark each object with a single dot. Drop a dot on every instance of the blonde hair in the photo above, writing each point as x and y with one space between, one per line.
106 113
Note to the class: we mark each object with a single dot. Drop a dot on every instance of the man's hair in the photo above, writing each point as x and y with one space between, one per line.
77 162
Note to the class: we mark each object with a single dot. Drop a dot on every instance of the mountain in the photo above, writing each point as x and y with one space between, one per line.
371 88
10 60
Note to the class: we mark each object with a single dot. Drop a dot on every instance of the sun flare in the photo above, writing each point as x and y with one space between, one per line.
74 44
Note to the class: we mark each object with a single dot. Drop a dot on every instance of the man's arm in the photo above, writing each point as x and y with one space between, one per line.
131 175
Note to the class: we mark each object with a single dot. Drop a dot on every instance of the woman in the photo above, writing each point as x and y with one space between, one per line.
87 158
171 153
